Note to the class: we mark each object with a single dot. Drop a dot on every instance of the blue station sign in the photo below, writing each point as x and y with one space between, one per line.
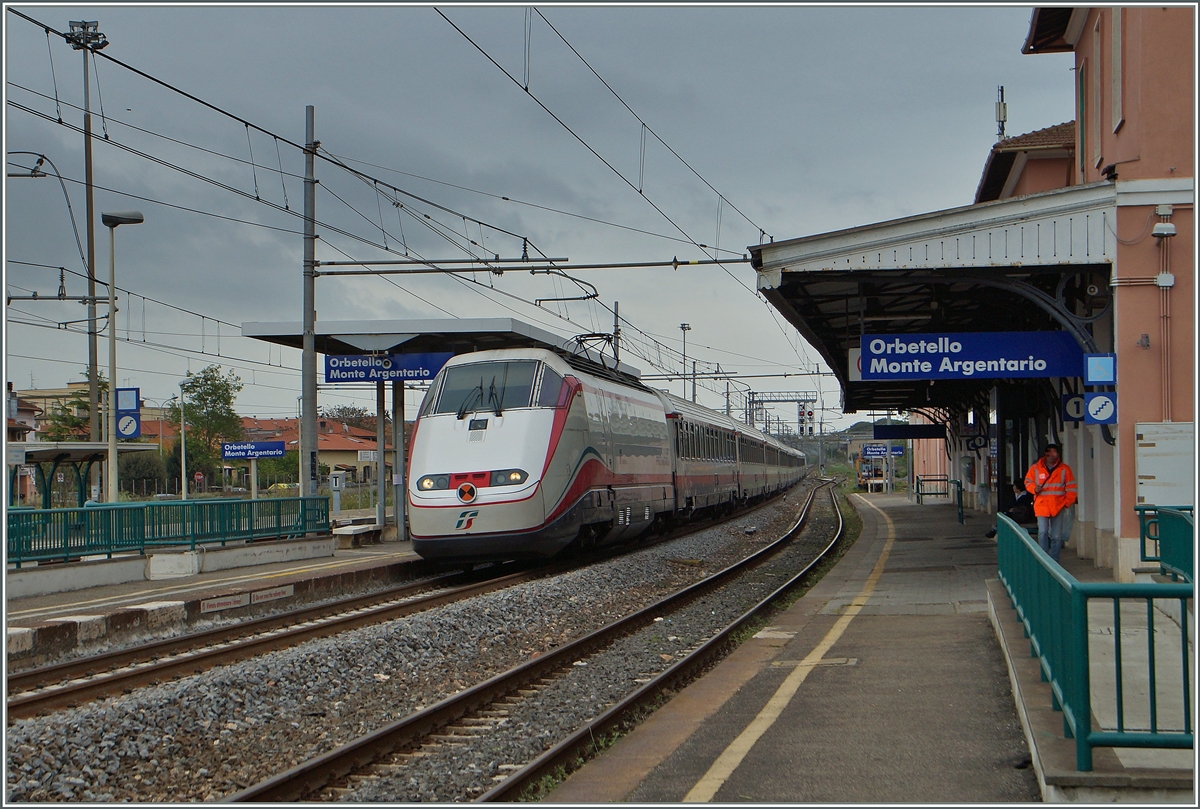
129 413
987 355
253 449
384 368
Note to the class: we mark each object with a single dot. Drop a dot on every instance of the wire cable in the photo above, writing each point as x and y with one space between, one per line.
645 126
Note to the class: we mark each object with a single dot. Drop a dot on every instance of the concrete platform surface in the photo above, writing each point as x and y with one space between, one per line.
885 683
44 627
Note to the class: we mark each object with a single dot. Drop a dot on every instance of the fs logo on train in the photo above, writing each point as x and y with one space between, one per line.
465 520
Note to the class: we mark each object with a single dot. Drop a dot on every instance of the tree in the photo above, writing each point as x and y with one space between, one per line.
211 418
275 470
353 415
69 418
137 466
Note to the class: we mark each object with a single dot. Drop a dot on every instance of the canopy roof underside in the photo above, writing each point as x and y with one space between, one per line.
1034 263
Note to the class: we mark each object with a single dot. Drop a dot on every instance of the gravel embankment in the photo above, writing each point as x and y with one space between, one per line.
203 737
463 771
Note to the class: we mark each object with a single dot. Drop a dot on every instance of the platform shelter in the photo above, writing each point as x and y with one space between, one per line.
430 342
1083 233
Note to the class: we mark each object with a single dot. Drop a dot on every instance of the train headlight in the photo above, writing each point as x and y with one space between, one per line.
431 482
509 477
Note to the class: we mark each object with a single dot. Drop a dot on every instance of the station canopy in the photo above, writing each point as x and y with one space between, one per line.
456 335
73 451
1034 263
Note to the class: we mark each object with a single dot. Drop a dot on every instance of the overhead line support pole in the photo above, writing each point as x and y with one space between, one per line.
309 475
85 36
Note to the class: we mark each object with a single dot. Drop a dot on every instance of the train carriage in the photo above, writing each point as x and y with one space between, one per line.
524 452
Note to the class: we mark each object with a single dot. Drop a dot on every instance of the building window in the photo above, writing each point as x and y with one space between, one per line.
1116 63
1097 115
1081 128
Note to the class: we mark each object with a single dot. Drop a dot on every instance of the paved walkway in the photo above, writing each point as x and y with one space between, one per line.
884 683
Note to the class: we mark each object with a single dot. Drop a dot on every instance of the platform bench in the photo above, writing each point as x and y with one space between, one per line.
355 536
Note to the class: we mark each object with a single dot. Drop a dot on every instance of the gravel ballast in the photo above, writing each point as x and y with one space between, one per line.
203 737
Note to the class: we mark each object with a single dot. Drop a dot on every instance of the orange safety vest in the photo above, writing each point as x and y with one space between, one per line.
1058 488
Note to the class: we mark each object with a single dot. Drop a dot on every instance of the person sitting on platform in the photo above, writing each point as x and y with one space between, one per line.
1021 511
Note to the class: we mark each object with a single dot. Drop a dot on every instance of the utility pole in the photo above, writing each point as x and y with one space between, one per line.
309 474
85 37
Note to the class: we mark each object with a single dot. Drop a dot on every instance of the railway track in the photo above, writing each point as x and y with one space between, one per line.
68 684
475 714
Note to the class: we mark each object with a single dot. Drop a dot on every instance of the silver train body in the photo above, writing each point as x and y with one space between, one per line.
519 453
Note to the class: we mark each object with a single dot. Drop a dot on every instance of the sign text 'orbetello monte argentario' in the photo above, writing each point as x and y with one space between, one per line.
989 355
383 367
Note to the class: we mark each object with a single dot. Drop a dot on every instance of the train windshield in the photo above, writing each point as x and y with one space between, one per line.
495 386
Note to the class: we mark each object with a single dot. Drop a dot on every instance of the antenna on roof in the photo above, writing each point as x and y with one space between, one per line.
1001 113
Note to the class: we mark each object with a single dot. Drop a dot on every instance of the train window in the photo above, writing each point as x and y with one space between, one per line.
487 386
430 395
551 388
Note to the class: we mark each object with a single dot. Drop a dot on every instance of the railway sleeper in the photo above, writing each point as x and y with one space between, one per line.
449 740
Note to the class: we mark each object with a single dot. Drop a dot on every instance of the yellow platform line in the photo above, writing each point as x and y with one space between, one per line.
736 752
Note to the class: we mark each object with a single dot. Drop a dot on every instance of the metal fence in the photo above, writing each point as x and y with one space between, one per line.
66 534
1172 549
1075 628
931 486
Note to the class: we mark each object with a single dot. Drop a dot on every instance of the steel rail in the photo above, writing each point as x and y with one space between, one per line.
72 682
576 748
308 777
144 664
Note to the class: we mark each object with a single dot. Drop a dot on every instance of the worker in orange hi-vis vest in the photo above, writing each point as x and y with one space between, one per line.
1052 485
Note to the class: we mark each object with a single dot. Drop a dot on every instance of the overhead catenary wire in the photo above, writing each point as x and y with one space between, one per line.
356 237
645 126
585 144
183 208
534 205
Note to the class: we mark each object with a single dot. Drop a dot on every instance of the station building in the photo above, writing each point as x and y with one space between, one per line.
1082 231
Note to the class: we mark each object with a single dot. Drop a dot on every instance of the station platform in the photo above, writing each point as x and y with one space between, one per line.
889 681
46 626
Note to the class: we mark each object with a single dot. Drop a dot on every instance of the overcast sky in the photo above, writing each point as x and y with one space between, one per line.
804 119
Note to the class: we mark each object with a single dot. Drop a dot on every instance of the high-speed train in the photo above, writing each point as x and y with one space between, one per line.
520 453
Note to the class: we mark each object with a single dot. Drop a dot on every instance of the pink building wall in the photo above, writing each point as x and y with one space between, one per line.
1138 88
1044 174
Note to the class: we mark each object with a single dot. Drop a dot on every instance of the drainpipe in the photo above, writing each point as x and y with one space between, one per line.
1165 281
1163 231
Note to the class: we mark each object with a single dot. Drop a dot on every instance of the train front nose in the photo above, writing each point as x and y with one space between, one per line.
470 487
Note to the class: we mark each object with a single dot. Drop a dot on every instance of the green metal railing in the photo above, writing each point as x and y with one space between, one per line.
931 486
1176 542
1148 523
66 534
1053 606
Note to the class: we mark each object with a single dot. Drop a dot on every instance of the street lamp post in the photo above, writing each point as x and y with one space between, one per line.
112 221
183 483
685 328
